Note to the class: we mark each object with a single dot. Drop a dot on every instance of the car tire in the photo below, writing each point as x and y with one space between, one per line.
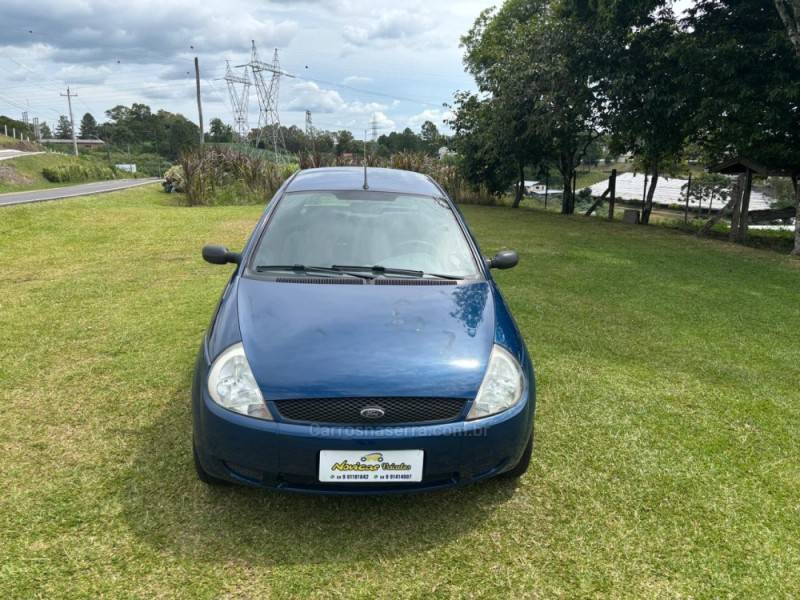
202 475
521 467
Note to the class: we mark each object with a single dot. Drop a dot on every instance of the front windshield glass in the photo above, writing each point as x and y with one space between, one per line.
363 228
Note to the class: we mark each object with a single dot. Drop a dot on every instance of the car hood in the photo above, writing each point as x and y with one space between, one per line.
306 340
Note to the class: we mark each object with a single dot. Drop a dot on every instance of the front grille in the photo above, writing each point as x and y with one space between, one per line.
348 410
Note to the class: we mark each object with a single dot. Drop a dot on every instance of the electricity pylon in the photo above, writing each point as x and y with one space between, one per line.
239 99
374 125
311 137
268 93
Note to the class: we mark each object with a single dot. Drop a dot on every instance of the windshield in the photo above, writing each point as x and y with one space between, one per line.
363 228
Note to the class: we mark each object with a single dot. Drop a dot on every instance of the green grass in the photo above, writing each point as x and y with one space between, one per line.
667 460
25 173
6 141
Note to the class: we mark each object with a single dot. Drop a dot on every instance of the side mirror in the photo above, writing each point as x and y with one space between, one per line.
220 255
504 260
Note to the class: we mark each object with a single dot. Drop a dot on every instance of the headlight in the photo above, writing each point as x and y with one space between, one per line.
501 387
232 385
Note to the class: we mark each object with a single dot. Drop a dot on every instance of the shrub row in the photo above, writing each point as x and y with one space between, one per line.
77 173
224 175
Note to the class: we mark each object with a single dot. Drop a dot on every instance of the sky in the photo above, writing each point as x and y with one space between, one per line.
354 60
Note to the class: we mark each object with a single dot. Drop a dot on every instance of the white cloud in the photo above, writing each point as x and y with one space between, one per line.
142 51
356 80
383 123
391 25
83 74
437 117
139 32
364 107
307 95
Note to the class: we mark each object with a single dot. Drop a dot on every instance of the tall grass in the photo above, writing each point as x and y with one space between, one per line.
221 175
446 173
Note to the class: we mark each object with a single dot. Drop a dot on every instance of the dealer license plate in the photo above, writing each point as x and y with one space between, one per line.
371 466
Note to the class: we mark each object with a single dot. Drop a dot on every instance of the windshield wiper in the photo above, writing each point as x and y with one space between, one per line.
311 269
378 269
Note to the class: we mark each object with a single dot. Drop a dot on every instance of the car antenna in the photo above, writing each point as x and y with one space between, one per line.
366 186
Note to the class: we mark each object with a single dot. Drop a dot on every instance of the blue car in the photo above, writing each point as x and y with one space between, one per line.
361 346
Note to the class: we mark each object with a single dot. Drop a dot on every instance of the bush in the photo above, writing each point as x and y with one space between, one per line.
174 179
224 175
445 173
78 173
583 199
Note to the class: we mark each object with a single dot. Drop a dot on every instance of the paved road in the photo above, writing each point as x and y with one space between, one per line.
84 189
6 154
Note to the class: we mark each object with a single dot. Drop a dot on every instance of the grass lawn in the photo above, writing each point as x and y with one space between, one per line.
25 173
667 460
18 143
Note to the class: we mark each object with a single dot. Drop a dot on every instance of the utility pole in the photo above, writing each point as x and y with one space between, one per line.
688 194
366 184
199 104
70 96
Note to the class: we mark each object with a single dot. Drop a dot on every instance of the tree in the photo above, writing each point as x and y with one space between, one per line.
173 134
481 152
44 130
401 141
219 132
749 75
294 138
63 128
345 143
88 127
431 138
711 188
164 133
535 66
11 124
646 84
789 12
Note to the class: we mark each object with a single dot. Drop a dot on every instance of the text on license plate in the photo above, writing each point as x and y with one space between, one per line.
370 466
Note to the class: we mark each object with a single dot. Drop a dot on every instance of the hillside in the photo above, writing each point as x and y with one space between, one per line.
8 142
26 172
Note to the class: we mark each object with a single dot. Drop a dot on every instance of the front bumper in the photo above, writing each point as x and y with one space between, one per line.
285 456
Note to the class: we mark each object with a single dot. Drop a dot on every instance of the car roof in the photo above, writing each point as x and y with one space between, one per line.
352 178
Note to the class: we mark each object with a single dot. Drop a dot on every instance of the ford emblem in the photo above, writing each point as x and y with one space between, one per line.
372 412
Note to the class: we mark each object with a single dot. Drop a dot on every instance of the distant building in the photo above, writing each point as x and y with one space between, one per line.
444 151
96 143
536 188
625 158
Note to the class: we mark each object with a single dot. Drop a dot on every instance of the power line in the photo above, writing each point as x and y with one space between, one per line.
369 92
